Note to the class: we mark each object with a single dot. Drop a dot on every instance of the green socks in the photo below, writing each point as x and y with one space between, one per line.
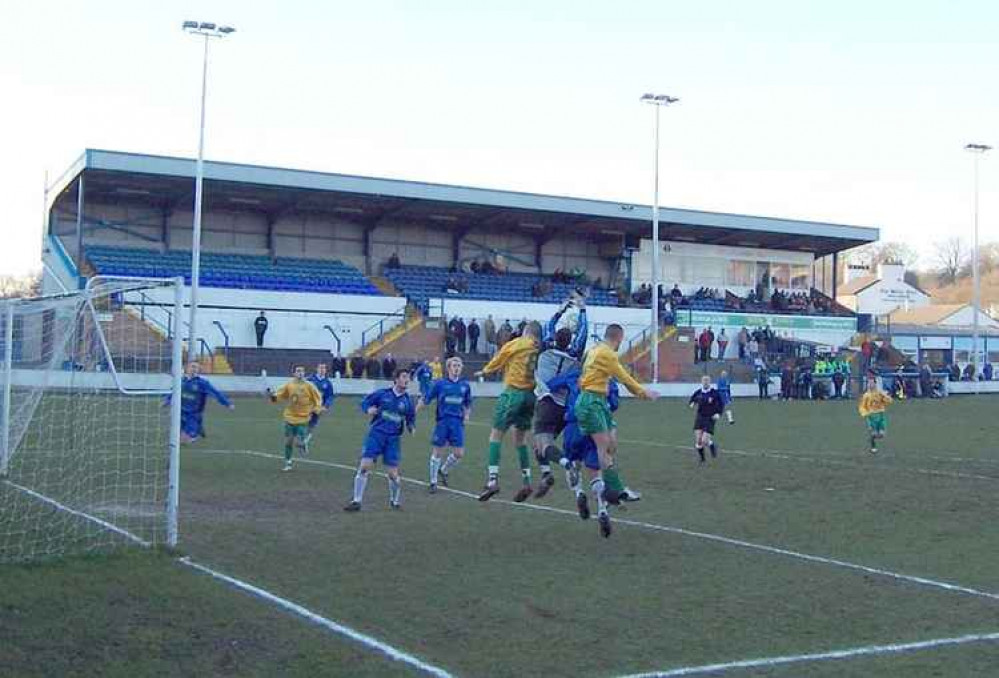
524 457
612 480
287 452
494 453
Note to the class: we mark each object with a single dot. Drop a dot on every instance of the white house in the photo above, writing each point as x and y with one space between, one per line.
880 294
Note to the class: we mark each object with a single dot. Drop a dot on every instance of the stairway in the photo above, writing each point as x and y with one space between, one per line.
385 286
277 361
676 356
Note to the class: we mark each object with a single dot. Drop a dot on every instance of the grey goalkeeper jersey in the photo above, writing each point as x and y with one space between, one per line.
552 363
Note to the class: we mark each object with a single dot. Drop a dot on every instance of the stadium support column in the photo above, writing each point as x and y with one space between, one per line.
835 274
79 232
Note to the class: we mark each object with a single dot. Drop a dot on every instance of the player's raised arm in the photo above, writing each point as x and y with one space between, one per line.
497 362
582 331
217 394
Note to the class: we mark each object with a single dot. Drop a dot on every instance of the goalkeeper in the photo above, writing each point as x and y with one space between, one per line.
303 401
194 392
562 346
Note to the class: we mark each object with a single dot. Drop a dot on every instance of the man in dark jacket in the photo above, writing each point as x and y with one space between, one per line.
338 366
388 365
473 336
357 367
260 327
374 368
462 336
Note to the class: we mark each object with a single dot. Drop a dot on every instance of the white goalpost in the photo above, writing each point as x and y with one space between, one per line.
90 419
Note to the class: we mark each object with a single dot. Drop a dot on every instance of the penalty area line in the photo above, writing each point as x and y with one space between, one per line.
720 539
849 653
283 603
328 624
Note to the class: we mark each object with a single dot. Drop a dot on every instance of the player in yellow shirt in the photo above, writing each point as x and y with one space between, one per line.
515 407
303 401
436 369
872 407
594 416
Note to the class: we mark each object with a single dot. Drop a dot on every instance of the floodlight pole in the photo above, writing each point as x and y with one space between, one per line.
979 150
208 31
657 101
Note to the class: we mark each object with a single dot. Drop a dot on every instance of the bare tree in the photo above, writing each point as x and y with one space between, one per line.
950 256
14 286
888 252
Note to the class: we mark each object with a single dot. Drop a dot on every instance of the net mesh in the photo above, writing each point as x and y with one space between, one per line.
84 452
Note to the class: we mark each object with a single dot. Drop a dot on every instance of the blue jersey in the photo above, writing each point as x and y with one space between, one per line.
395 412
325 387
724 385
194 392
453 398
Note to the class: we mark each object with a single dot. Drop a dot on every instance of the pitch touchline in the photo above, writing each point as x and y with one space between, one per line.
285 604
922 581
849 653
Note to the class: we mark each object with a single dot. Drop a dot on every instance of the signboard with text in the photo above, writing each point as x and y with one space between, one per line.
775 322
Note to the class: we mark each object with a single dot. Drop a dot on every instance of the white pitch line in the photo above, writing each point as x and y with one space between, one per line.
328 624
912 579
80 514
769 662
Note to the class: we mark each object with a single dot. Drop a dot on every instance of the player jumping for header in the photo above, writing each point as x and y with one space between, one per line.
562 349
595 420
303 401
194 392
454 405
392 412
515 407
708 402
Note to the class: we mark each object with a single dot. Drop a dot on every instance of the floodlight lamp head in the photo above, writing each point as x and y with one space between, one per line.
190 25
207 26
977 148
226 30
648 97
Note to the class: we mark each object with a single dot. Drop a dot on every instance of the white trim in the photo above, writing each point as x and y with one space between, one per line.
328 624
849 653
912 579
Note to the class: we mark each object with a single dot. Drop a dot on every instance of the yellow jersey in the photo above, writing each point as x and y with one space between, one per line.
873 402
601 363
517 358
436 370
303 399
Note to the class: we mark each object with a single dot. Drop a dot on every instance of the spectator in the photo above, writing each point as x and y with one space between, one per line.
754 349
955 372
722 344
520 327
451 337
711 342
504 334
787 382
703 346
357 367
987 372
925 381
867 351
763 380
969 373
388 366
743 343
260 327
393 261
489 327
462 336
338 366
436 368
676 294
837 379
373 368
473 336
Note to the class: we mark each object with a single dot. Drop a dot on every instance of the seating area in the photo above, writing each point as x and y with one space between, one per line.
234 271
420 283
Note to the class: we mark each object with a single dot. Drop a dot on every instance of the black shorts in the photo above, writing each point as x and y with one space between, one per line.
549 417
706 424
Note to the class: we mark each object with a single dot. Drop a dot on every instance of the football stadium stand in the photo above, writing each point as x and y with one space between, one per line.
421 283
234 270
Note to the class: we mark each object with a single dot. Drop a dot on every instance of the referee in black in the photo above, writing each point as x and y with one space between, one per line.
709 406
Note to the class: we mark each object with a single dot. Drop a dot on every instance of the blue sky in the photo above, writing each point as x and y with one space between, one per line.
852 112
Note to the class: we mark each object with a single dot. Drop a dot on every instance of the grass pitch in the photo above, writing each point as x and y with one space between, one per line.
501 590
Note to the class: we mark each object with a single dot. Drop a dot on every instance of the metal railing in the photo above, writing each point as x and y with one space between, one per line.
225 335
336 338
381 326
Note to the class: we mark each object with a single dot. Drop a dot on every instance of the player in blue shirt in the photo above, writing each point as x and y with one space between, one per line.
194 392
724 387
392 412
454 404
424 376
324 385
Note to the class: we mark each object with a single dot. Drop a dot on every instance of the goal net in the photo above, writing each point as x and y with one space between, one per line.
88 430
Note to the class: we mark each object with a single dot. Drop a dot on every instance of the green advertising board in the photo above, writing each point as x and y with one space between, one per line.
776 322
